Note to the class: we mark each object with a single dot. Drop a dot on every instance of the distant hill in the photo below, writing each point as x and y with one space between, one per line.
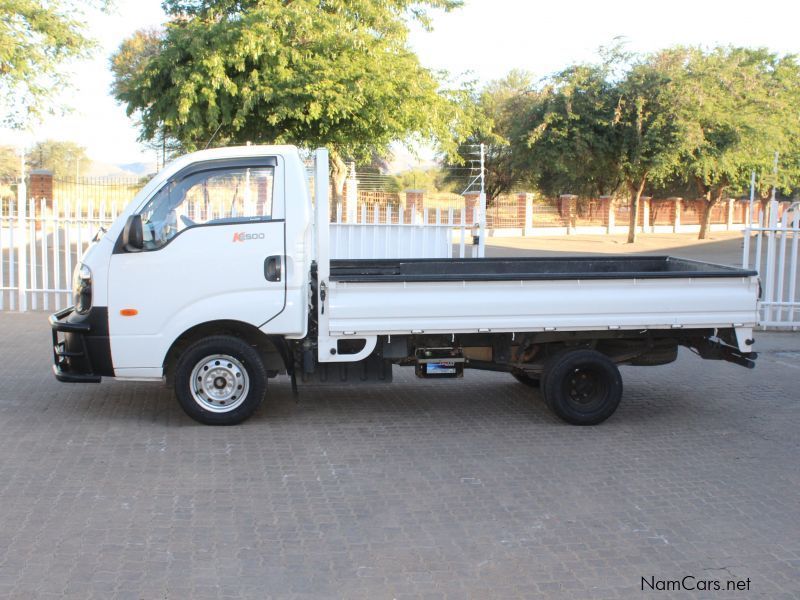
123 170
402 159
139 168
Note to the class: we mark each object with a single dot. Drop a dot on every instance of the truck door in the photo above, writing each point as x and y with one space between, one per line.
214 249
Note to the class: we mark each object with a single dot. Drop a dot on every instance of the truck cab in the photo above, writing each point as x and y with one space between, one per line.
217 277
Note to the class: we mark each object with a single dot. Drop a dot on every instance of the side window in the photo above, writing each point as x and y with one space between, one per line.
231 195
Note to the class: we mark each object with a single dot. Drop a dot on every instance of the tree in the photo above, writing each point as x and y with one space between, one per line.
36 39
744 109
495 117
127 66
600 129
309 72
9 163
570 143
431 180
64 159
652 123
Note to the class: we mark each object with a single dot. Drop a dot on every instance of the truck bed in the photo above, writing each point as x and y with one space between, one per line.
379 297
501 269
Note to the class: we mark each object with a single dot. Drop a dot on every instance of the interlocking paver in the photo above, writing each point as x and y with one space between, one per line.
464 489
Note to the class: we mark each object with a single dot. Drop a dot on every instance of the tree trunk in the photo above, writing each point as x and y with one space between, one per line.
339 176
709 205
636 194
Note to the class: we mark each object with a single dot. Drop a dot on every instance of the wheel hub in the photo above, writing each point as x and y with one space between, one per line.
583 386
219 383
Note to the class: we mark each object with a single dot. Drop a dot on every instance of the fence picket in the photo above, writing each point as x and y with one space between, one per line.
44 266
32 280
794 267
2 257
12 265
56 251
67 251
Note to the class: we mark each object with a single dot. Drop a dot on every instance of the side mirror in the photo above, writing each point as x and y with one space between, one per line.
133 234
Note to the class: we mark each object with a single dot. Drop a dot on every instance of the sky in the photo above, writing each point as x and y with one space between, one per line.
482 41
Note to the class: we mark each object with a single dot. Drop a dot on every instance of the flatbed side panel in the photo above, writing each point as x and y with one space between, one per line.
524 305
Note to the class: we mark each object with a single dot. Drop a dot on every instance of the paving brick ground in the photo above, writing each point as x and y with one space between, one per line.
466 489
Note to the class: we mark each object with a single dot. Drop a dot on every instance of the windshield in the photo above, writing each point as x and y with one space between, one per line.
209 197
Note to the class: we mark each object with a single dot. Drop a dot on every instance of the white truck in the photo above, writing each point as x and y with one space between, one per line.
218 277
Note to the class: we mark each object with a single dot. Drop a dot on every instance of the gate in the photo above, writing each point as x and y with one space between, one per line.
776 260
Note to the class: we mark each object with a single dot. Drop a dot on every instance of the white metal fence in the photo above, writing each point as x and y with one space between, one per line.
775 256
40 244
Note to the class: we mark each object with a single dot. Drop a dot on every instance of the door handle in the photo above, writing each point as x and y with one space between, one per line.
272 268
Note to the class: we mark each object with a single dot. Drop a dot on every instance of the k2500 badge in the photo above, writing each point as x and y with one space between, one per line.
243 237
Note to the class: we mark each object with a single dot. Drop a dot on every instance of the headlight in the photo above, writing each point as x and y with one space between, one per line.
82 289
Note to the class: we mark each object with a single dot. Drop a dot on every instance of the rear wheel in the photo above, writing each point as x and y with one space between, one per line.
583 387
220 380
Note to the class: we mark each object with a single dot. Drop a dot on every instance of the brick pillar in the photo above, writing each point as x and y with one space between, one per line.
730 214
40 186
414 202
472 202
607 208
677 223
568 204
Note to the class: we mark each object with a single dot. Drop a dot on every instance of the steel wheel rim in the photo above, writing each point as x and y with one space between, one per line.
219 383
585 388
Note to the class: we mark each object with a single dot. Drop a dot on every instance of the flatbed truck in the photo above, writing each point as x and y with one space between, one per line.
218 277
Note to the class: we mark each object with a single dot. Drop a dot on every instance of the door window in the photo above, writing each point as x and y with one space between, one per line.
232 195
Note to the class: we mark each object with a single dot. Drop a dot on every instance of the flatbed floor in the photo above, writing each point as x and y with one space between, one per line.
503 269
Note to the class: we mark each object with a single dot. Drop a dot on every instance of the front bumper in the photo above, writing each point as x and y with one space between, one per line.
84 353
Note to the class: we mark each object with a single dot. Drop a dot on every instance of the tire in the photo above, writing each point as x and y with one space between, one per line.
582 387
220 380
526 379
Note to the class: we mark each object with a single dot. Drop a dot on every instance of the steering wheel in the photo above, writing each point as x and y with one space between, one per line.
187 221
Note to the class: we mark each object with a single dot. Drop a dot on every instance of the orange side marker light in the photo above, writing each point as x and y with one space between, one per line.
129 312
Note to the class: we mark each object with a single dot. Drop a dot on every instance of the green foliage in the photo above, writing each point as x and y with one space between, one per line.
659 121
36 39
744 110
310 72
64 159
495 116
430 180
129 61
9 163
127 67
570 142
651 119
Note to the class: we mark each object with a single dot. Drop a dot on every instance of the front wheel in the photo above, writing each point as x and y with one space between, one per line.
583 387
220 380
